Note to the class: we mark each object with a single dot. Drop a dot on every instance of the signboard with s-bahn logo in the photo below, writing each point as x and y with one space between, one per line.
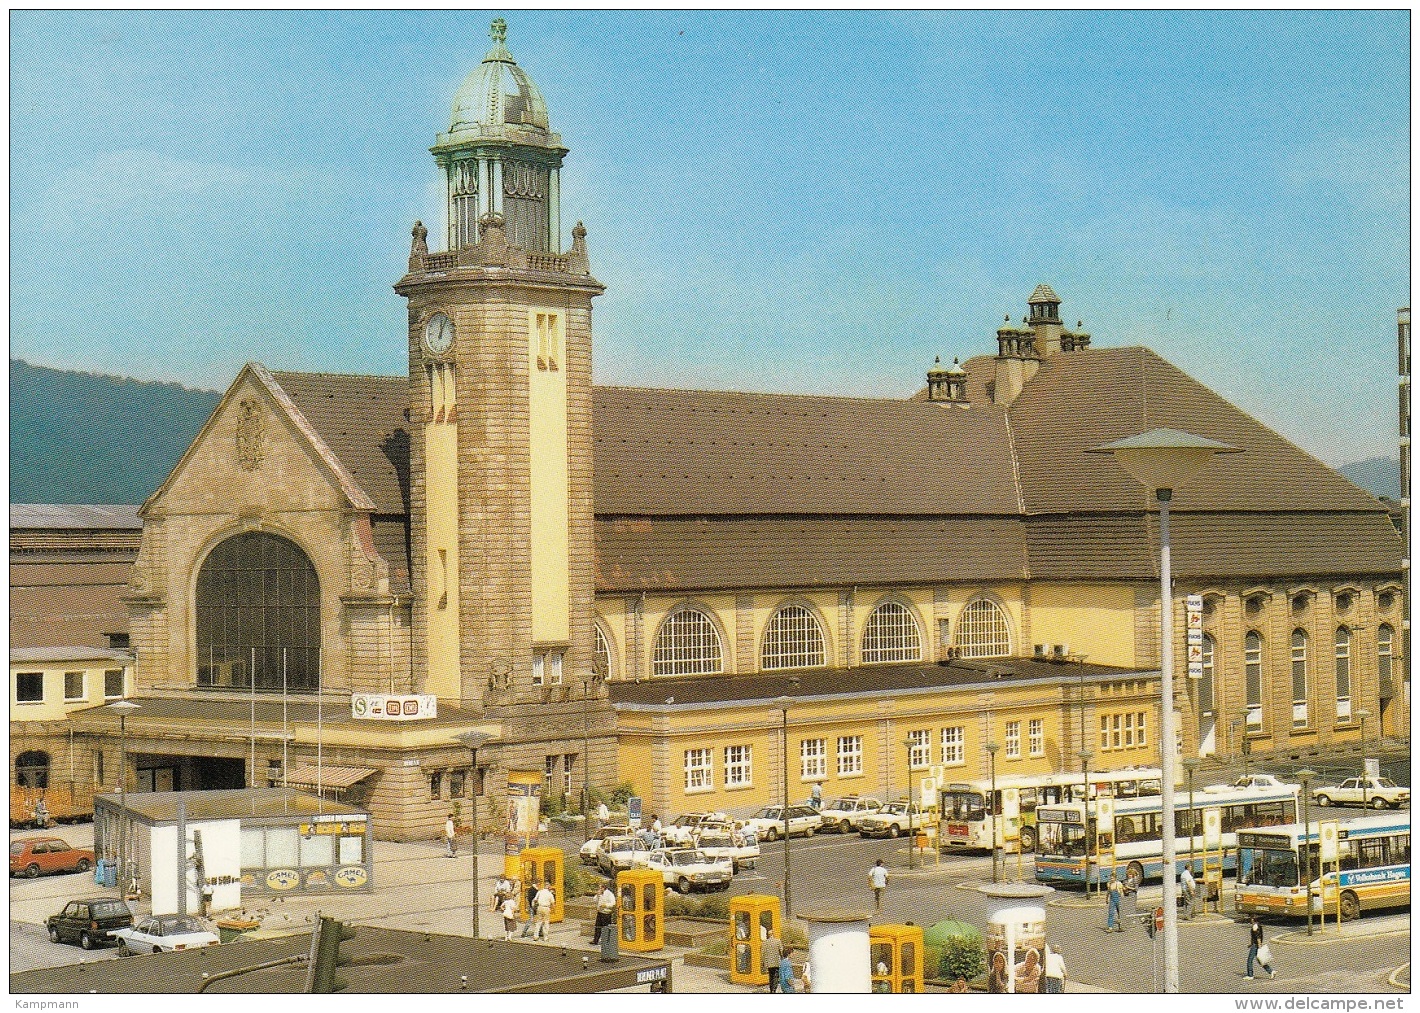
393 707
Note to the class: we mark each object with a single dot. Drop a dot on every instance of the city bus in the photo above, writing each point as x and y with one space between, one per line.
1374 853
962 807
1070 848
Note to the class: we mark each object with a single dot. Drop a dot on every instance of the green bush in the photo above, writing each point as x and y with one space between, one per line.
579 882
710 905
961 957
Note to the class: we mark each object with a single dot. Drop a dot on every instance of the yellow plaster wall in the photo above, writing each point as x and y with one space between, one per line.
441 534
54 706
549 484
1096 620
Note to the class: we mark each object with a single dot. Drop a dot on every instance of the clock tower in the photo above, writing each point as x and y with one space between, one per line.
500 370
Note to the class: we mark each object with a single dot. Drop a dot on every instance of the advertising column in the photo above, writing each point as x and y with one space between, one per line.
1015 937
524 810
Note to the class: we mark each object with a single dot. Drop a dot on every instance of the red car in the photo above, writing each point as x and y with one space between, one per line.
29 856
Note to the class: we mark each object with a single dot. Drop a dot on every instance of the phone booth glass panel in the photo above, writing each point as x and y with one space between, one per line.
542 865
896 955
640 909
752 918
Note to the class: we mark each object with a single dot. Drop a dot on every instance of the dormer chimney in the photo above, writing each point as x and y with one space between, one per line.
1045 320
946 385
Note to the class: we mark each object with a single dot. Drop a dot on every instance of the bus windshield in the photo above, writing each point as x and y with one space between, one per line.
1273 868
955 804
1063 839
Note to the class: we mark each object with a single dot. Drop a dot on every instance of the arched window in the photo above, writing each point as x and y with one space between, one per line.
258 615
1343 674
601 653
687 644
32 769
1385 652
1299 678
1205 682
891 634
1252 672
793 639
982 631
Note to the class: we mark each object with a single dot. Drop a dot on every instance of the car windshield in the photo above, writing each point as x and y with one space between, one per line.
1385 782
688 858
1063 839
179 925
771 813
16 847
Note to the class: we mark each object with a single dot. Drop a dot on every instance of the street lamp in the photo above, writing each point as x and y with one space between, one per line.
471 741
1085 757
1081 659
1163 460
1305 776
1190 764
991 748
911 831
1362 714
124 708
783 704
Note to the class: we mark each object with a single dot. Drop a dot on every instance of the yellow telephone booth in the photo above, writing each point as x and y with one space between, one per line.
640 909
752 916
540 865
896 955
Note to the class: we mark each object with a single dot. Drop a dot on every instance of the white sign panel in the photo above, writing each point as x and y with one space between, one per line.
393 707
1329 832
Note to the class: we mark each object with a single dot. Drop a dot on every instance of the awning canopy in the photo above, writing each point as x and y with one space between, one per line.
307 776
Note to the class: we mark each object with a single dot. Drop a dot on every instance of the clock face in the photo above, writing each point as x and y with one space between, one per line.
439 334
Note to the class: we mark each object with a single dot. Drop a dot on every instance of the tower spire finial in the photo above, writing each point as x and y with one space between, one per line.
498 31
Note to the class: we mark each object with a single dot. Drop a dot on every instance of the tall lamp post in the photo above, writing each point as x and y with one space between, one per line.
783 704
471 741
1305 776
1163 460
1361 715
1085 757
991 748
1190 764
911 830
124 708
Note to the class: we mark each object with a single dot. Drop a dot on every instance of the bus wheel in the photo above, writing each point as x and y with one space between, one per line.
1134 871
1350 906
1027 839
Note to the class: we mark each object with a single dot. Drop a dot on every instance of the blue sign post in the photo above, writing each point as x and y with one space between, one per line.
633 811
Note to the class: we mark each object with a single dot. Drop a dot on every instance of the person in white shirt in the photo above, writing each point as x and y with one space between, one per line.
606 913
509 910
543 902
1054 971
878 880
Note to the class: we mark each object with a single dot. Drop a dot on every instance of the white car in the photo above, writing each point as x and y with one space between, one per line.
843 814
689 869
681 832
768 823
164 934
893 820
587 853
1375 792
740 847
617 854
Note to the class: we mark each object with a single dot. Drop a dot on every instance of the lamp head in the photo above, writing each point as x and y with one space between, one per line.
124 707
1163 458
1305 774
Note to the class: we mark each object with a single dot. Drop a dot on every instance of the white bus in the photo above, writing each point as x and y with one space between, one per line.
962 806
1374 853
1070 848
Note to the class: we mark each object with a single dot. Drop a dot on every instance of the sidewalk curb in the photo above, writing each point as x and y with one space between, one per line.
1393 981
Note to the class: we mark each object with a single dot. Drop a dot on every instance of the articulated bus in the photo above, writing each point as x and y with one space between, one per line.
1374 853
1070 848
962 807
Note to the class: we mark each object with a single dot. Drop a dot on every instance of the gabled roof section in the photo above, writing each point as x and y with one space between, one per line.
1094 396
692 452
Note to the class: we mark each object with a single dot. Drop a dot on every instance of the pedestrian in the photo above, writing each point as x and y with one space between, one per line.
606 912
1258 951
1115 894
816 797
1188 889
1054 971
543 902
878 880
41 815
771 955
603 814
530 898
998 979
502 890
450 844
509 910
786 972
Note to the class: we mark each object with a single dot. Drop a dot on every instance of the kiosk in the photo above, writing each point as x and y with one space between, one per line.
540 865
752 916
895 955
640 910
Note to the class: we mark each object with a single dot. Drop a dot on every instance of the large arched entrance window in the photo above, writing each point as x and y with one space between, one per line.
258 615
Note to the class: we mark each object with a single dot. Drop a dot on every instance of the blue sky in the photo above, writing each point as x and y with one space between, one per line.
808 202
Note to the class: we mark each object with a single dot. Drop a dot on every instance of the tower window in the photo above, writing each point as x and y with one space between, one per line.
549 340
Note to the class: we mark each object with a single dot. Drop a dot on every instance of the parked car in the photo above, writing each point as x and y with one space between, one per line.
88 922
682 830
620 853
164 934
29 856
768 823
587 853
1250 781
842 815
689 869
892 820
741 848
1376 792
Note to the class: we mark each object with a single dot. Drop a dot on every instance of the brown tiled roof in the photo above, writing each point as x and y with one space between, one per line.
71 604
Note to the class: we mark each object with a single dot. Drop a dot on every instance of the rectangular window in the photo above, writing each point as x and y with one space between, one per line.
1139 728
554 667
1343 675
738 771
850 755
1013 740
457 780
436 784
1299 681
569 764
549 770
29 687
73 685
1252 672
813 759
539 670
953 745
698 770
548 340
1104 731
1129 731
919 754
98 766
1037 736
113 683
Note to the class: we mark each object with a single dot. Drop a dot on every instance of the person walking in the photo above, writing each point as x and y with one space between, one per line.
603 814
1188 890
543 902
450 840
771 955
816 797
786 972
502 890
606 913
1114 922
878 880
509 910
1054 971
530 897
1257 951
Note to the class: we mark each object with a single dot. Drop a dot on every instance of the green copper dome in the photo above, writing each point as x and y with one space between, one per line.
498 93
